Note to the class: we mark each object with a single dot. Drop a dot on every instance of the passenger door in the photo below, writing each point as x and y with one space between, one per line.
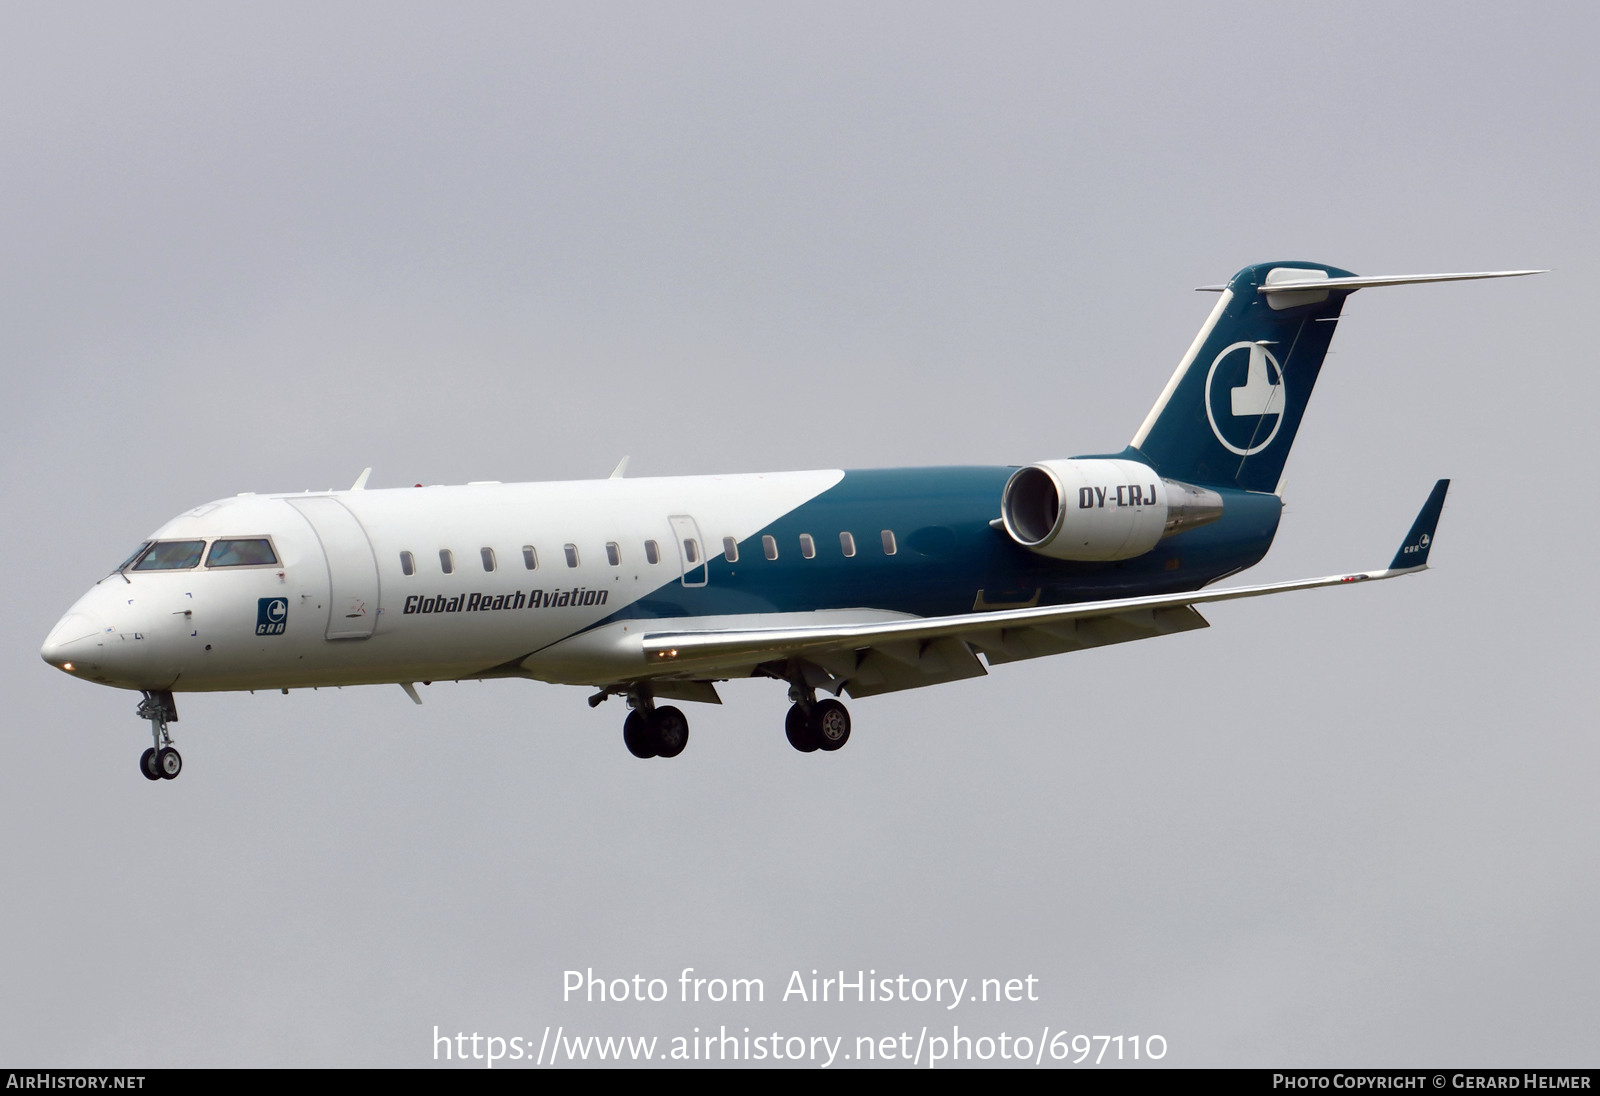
352 567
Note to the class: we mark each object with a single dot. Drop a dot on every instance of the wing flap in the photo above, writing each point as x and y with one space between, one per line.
1017 644
941 660
1114 621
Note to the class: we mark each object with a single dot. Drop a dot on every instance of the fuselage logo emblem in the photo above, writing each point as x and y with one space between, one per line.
272 616
1245 397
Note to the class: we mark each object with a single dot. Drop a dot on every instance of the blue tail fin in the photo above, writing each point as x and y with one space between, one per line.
1231 411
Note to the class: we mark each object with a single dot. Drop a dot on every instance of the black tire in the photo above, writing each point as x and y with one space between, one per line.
671 728
798 728
169 763
830 723
147 764
637 736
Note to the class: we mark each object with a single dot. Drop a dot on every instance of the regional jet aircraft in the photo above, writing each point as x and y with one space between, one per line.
831 582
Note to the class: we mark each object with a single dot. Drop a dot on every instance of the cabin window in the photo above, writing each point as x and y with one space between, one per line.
530 558
888 542
613 553
769 547
691 550
447 561
255 552
652 552
572 554
408 563
847 544
487 555
171 555
730 549
808 547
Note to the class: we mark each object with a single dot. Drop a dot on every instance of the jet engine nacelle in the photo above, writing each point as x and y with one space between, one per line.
1099 509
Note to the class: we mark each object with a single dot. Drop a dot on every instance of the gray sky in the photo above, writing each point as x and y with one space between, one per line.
258 250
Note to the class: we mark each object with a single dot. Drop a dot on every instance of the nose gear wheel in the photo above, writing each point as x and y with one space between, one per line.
161 761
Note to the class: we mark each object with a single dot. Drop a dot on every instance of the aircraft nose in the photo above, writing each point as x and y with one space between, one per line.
72 639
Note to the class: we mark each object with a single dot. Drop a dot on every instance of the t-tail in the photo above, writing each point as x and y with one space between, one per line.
1229 415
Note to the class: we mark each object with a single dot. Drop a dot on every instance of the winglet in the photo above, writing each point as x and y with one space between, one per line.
1413 553
361 481
620 470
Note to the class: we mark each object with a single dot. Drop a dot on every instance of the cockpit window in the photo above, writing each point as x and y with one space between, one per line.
171 555
254 552
137 552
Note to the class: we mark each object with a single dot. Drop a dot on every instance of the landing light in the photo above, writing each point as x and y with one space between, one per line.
67 666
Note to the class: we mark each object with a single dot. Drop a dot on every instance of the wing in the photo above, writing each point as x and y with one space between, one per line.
881 656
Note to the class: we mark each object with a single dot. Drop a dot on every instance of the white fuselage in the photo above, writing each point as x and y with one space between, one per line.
530 568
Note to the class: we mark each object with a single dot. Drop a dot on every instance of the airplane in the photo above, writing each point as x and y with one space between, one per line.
832 582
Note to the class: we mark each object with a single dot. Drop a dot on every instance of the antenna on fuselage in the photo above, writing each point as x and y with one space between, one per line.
361 481
620 469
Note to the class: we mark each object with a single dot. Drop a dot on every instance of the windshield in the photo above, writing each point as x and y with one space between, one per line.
170 555
241 553
137 552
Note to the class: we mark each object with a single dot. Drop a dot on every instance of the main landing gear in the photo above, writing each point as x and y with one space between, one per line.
814 724
650 731
654 732
161 761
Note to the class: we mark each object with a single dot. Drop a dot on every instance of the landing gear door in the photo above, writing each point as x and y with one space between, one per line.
352 568
691 549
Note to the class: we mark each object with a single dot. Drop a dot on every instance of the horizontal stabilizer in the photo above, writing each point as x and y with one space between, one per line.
1357 282
1290 285
1413 553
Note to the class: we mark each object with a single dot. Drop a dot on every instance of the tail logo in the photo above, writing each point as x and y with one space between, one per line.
1242 391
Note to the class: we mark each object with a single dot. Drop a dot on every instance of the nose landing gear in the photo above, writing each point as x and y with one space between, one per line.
161 761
